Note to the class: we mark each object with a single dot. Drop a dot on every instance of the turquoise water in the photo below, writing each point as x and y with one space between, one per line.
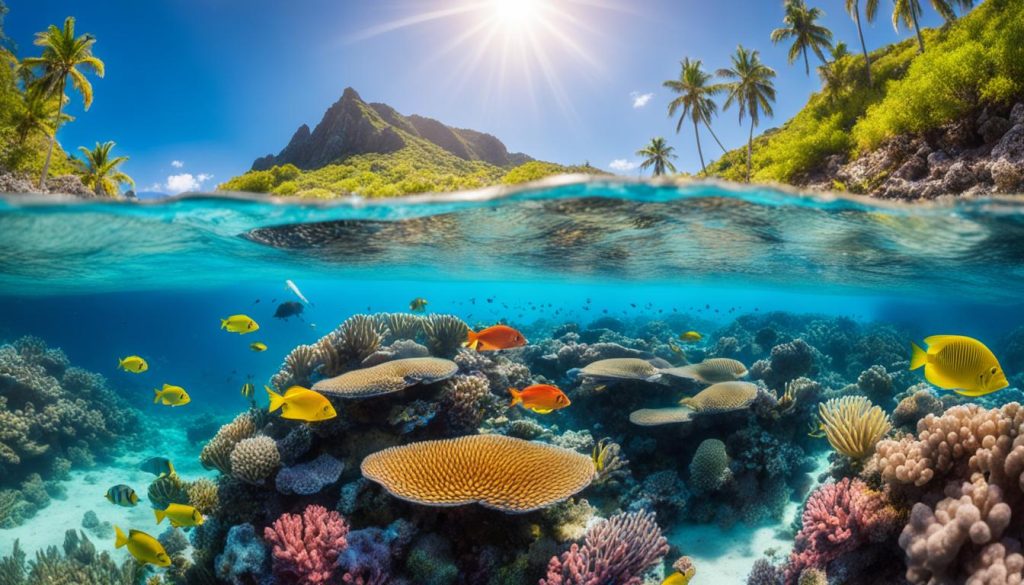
104 280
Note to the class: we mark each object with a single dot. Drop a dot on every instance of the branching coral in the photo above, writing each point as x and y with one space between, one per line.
610 465
402 325
298 368
853 426
619 550
352 342
445 334
305 547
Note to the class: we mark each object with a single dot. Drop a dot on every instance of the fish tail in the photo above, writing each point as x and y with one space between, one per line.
170 468
276 400
223 323
517 397
160 515
156 395
472 341
119 538
120 362
918 357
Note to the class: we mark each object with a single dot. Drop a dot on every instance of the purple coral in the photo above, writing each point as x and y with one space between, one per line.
305 547
309 478
618 550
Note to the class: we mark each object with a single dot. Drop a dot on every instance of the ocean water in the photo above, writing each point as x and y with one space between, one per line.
619 267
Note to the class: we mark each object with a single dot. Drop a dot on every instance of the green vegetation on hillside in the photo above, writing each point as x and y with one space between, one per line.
974 61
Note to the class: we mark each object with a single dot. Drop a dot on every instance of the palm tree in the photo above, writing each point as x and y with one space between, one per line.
853 8
908 11
658 154
64 55
37 116
752 90
806 33
695 99
833 73
100 171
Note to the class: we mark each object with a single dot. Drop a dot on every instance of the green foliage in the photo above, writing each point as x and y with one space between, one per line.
536 170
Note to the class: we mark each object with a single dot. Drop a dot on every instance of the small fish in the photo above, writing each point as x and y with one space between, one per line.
816 430
171 396
680 352
297 292
540 398
289 309
258 346
418 305
122 495
249 390
678 578
180 516
690 337
143 547
961 364
240 324
158 466
133 364
495 338
300 403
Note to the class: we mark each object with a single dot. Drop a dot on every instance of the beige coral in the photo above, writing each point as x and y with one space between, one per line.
217 453
254 460
298 368
445 334
202 495
852 425
387 377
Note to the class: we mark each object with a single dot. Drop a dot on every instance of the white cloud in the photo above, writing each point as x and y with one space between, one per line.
640 99
177 164
185 182
623 165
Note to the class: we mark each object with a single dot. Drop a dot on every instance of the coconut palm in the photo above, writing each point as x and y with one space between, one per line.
37 115
100 171
64 55
657 154
908 12
695 100
833 73
807 35
853 8
752 90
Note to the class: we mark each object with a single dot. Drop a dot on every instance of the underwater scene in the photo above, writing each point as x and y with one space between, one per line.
584 382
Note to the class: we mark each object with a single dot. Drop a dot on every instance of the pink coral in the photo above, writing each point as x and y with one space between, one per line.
305 548
618 550
838 518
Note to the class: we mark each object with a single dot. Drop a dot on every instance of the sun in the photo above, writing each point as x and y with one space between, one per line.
517 15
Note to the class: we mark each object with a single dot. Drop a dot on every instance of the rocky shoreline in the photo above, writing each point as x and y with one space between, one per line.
17 183
979 155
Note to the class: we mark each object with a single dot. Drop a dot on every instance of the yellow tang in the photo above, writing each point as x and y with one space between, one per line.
678 578
258 346
958 363
240 324
180 516
300 403
143 547
691 337
171 396
133 364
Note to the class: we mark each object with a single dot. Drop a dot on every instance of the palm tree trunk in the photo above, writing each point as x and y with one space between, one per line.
867 57
713 135
917 27
700 152
807 63
53 137
750 150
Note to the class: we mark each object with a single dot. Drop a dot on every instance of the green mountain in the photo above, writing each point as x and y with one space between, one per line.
370 149
924 114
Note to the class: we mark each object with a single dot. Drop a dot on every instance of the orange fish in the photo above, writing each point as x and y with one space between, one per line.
540 398
495 338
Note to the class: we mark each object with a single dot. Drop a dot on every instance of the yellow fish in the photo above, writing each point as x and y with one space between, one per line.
248 390
258 346
958 363
300 403
678 578
418 305
691 337
180 516
240 324
171 396
133 364
143 547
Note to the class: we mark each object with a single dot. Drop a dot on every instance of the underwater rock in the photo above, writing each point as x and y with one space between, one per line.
306 479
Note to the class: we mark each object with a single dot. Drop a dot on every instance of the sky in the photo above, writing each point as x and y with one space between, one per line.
195 90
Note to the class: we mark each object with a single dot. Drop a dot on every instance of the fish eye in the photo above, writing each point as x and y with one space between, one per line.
993 371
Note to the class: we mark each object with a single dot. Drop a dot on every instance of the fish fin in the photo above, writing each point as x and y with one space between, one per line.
160 515
119 538
542 410
971 393
170 466
918 357
293 391
276 400
937 342
223 323
156 396
134 499
517 397
472 341
935 378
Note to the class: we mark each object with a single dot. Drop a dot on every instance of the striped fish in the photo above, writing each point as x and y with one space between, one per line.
248 390
961 364
158 466
122 495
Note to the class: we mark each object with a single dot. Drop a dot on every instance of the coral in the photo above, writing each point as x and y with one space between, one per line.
91 522
710 371
414 415
618 550
574 440
838 518
920 403
371 553
306 479
709 468
499 472
445 334
788 361
466 401
202 495
876 384
619 369
77 564
174 541
305 547
244 559
202 428
569 519
298 368
764 573
217 453
387 377
402 325
722 397
663 493
610 465
352 342
399 350
430 562
812 576
168 489
852 425
295 444
254 460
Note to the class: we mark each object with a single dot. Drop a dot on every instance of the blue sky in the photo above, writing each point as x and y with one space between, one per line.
197 89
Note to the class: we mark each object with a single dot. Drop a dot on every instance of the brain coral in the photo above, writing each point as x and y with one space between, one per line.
709 466
722 397
253 460
388 377
498 472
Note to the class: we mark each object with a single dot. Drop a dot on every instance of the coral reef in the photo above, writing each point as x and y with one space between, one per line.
709 468
305 547
852 425
244 559
445 334
255 459
217 453
306 479
619 550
